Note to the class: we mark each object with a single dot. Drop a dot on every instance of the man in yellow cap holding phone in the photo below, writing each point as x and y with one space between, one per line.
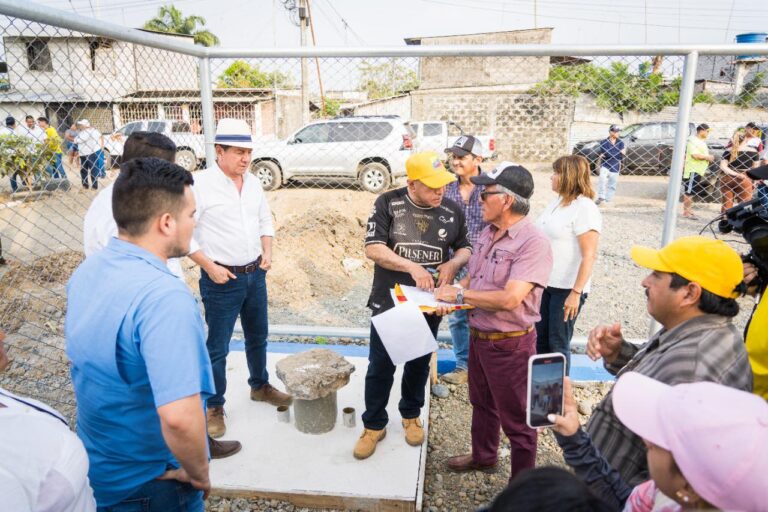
410 231
691 292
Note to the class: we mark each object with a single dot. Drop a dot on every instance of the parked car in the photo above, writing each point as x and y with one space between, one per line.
649 152
649 148
371 150
438 135
190 147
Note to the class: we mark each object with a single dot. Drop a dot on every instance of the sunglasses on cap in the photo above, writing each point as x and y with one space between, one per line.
485 193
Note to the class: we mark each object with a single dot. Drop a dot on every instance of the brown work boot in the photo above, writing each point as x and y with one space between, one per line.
223 449
457 376
216 426
366 445
462 463
414 431
267 393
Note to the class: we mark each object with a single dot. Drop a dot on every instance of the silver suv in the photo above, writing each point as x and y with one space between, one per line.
369 150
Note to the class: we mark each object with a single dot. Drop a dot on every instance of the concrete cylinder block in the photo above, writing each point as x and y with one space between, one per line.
316 416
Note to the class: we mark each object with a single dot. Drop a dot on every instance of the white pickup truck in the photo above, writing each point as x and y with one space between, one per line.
438 135
190 147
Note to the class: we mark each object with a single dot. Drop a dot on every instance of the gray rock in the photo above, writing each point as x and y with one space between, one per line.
586 406
440 391
314 374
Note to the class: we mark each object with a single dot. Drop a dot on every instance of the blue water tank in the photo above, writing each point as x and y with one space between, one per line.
751 38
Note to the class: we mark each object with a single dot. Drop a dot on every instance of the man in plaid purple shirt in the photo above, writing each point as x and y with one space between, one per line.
466 157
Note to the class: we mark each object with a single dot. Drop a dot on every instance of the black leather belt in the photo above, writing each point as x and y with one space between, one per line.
242 269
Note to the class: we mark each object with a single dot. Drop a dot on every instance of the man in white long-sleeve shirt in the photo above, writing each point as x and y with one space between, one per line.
233 246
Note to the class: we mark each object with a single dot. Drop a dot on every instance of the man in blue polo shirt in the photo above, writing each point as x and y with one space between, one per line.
136 341
611 156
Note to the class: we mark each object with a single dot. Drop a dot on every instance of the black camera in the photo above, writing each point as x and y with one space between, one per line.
750 220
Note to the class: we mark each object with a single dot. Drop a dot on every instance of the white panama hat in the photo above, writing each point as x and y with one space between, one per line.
233 132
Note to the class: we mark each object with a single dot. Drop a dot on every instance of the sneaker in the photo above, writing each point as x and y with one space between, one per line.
223 449
414 431
366 445
271 395
216 426
599 201
458 376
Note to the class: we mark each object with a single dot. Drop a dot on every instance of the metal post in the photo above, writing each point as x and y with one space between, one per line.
206 104
678 155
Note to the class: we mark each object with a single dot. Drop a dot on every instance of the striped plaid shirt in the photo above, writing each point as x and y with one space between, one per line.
472 211
705 348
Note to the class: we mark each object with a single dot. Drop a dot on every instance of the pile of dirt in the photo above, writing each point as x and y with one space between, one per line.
310 250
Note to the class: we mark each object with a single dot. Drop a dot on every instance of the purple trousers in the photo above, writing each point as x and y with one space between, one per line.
498 378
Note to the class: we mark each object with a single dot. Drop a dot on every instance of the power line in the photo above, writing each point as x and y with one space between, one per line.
346 24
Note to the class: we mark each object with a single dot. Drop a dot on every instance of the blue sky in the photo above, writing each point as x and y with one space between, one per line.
265 23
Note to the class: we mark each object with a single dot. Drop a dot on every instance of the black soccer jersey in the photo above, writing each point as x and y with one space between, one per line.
422 235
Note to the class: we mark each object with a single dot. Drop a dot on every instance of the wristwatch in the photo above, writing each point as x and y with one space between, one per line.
460 296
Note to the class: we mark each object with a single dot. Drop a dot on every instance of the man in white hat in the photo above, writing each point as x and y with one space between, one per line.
90 144
233 246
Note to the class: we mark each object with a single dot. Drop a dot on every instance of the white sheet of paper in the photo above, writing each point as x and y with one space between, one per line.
422 297
404 332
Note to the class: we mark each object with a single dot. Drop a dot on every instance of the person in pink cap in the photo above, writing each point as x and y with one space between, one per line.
707 446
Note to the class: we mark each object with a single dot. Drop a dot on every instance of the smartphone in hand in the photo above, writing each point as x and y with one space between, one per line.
546 373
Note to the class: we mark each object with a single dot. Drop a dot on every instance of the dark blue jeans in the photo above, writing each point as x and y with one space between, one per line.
56 170
381 375
161 496
553 334
245 296
92 165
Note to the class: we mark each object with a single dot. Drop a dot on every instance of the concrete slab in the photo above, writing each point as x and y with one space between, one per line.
278 461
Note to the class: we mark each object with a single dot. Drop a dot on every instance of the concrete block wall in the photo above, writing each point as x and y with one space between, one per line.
526 127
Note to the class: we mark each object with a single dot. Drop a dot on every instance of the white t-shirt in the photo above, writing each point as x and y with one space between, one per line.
563 225
88 141
43 464
99 227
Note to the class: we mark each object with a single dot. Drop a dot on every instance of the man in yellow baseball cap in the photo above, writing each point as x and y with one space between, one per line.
691 292
414 233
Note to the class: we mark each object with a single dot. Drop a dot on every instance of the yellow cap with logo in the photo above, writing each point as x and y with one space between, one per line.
711 263
427 168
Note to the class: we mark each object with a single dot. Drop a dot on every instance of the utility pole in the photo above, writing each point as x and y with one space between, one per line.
303 27
317 60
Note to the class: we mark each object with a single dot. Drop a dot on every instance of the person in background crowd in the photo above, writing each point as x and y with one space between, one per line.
54 140
70 144
572 222
611 157
508 272
9 129
752 133
43 465
90 143
466 155
697 160
706 446
405 238
140 369
691 292
735 185
33 131
547 489
233 246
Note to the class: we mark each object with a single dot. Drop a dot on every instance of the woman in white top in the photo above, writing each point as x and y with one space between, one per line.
572 222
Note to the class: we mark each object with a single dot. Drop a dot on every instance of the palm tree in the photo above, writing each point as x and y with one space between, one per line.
170 19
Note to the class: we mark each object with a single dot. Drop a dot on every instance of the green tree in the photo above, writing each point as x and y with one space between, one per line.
616 87
169 19
386 79
241 75
749 93
19 155
332 108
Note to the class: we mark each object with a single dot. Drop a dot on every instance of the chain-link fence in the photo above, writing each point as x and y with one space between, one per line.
332 130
